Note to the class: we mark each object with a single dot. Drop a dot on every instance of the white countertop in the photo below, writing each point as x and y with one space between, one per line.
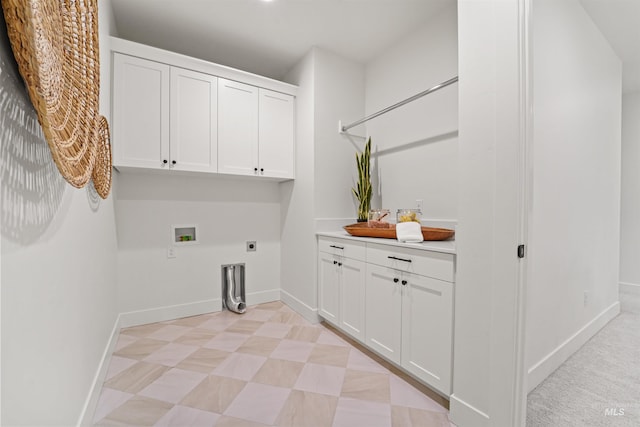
445 246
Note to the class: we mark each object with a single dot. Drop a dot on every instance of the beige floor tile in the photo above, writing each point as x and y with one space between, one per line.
296 319
213 394
226 421
193 321
304 333
366 386
274 305
281 317
138 411
333 355
277 372
261 346
142 330
137 377
196 336
244 326
307 409
203 360
141 348
411 417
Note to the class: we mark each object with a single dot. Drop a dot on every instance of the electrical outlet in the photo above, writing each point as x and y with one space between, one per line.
586 298
252 246
419 204
171 252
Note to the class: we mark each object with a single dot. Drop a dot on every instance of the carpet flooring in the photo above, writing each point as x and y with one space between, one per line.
600 384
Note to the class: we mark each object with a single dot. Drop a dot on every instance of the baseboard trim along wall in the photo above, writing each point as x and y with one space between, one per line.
171 312
86 416
541 370
311 314
463 414
630 288
162 314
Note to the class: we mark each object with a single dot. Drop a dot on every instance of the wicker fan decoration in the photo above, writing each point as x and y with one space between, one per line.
55 43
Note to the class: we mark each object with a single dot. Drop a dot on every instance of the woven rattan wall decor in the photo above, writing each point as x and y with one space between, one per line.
55 43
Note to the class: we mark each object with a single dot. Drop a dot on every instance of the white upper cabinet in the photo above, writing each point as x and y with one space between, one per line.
237 128
178 113
275 134
194 117
140 112
255 131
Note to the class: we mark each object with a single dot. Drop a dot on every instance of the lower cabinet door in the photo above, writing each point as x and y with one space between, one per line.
329 287
352 280
427 307
383 311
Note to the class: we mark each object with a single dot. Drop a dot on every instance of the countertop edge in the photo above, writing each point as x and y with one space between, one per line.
445 246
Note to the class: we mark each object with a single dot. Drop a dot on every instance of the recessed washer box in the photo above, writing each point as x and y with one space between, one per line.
184 234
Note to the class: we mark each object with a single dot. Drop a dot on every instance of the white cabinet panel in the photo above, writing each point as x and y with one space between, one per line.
383 311
352 297
426 263
141 112
329 287
276 134
194 116
341 247
427 308
237 128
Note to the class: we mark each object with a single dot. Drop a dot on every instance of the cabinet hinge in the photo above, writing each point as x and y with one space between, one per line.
521 251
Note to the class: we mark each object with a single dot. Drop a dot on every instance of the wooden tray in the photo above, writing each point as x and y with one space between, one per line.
361 229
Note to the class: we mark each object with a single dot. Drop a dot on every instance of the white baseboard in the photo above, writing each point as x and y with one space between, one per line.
309 313
541 370
90 404
630 288
462 414
170 312
263 296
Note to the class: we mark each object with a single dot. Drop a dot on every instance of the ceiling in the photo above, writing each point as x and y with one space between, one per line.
268 38
619 22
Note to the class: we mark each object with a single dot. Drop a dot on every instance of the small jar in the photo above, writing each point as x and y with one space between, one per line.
378 218
409 215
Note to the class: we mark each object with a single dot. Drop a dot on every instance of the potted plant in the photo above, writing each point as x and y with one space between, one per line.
362 191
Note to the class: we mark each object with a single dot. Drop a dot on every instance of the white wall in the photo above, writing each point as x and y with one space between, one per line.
575 215
228 213
58 269
421 138
630 204
339 95
489 185
298 241
330 88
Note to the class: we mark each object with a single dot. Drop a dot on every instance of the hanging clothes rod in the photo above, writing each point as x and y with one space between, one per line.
400 104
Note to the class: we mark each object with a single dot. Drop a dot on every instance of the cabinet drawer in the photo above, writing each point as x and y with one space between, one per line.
345 248
425 263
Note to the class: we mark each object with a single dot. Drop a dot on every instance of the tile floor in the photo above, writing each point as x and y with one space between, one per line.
267 367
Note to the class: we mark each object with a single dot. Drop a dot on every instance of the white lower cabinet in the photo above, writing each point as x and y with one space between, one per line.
383 310
341 286
427 329
405 317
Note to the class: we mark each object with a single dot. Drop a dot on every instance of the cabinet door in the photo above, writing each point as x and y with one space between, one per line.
140 112
276 134
383 311
329 287
237 128
427 309
352 294
194 120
